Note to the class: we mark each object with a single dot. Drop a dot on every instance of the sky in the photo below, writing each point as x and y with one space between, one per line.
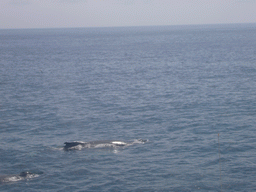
110 13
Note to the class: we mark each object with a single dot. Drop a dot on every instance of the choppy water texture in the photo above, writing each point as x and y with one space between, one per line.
178 87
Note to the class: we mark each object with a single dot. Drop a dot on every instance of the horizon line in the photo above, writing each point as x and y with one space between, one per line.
127 26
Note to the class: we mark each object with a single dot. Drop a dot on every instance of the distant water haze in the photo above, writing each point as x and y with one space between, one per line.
109 13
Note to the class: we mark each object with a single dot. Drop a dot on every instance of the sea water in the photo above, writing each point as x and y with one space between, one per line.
189 90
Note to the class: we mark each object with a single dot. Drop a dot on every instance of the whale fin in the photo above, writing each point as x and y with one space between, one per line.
73 144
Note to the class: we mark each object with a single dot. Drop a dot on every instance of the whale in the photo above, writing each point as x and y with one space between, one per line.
18 177
78 145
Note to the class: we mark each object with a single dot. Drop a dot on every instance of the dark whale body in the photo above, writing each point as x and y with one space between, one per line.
78 145
22 176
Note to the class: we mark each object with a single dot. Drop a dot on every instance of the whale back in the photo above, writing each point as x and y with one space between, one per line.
78 145
22 176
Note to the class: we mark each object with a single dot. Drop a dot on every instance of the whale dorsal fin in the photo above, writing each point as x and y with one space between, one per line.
73 144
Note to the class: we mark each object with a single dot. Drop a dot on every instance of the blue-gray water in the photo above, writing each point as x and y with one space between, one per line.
179 87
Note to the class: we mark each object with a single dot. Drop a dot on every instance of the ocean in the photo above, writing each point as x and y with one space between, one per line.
190 91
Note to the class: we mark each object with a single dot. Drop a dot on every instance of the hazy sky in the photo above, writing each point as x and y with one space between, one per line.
102 13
